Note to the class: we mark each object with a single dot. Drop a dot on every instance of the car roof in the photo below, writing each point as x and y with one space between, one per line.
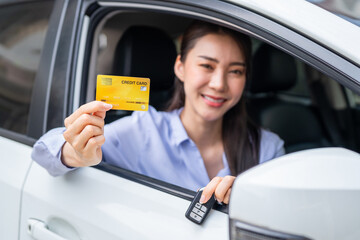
312 21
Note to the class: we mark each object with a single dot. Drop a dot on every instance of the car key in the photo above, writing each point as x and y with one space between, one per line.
197 212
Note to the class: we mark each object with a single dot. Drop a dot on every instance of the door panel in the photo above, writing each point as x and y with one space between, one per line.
15 162
92 204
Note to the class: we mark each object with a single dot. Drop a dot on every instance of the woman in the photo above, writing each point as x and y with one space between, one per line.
205 137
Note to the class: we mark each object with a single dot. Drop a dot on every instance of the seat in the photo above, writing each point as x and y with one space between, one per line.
145 51
299 125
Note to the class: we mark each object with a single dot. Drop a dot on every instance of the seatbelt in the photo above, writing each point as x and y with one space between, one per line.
327 115
351 129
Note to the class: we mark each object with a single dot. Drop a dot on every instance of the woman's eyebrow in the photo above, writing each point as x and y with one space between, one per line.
209 58
217 61
238 64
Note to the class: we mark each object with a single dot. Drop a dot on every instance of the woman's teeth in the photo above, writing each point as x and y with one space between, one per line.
214 100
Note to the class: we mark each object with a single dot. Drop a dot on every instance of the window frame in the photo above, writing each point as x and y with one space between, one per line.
52 72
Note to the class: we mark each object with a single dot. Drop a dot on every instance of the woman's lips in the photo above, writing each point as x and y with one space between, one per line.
214 101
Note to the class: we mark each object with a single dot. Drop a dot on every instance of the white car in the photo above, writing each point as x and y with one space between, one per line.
304 87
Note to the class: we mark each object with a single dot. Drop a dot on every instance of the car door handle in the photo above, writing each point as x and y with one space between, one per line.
38 230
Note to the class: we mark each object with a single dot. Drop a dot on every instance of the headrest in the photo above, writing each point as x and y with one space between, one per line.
273 70
149 52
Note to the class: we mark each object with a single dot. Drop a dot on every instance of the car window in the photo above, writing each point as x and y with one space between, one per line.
296 112
22 33
355 99
300 89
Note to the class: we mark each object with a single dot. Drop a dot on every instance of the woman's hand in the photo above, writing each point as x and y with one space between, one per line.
221 186
84 135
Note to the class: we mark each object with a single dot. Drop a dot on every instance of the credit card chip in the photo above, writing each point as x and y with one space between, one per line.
106 81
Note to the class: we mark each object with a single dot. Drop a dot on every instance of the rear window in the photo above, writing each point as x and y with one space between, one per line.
23 29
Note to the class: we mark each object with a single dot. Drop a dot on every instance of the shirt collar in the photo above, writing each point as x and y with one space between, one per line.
177 128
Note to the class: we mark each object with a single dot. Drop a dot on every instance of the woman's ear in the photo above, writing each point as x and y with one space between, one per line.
179 68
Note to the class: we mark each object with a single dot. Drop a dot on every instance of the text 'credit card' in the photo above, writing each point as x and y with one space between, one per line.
124 93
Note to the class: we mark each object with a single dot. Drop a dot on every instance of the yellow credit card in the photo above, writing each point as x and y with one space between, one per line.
124 93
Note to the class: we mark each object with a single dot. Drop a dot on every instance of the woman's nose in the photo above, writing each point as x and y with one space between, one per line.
218 81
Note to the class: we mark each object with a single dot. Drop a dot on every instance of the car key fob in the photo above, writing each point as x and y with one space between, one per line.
197 212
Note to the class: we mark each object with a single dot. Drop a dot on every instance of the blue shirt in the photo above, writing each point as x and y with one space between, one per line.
151 143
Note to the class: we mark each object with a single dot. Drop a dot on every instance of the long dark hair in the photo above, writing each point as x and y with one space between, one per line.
241 137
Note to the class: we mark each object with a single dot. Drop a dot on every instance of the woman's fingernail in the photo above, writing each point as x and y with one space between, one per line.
202 199
106 105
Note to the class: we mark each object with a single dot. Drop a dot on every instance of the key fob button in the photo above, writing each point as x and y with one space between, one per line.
203 208
198 212
196 217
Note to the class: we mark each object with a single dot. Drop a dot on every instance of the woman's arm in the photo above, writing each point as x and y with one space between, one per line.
47 152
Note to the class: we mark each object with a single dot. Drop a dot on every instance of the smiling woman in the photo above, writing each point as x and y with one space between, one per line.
211 71
204 139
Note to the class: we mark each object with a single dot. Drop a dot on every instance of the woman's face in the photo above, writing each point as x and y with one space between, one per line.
214 76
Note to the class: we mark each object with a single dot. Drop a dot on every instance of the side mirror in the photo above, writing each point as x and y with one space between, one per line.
311 194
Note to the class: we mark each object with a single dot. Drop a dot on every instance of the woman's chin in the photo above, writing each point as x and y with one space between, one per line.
212 116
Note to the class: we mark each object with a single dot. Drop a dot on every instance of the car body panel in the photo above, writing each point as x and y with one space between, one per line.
15 163
326 28
98 205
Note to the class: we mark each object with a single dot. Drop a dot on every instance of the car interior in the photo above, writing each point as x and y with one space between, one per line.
297 123
303 106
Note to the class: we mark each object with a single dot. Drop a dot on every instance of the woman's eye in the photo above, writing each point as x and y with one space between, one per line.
207 66
237 72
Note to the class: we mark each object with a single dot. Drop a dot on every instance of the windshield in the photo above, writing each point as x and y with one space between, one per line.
347 9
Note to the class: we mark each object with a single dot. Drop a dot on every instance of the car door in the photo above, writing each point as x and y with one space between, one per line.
102 202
